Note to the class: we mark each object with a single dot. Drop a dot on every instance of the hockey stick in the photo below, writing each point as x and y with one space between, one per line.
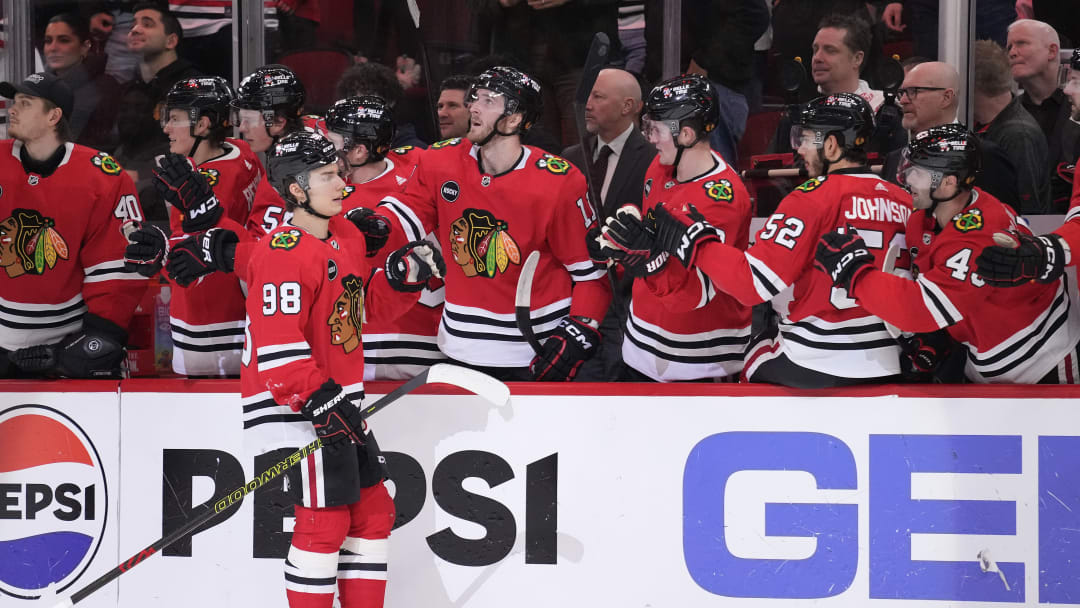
473 381
523 301
598 52
789 172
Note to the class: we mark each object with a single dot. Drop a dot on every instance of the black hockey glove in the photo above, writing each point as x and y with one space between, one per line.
681 231
182 186
147 247
627 240
200 254
376 228
96 351
573 343
410 268
924 353
1021 258
843 256
333 415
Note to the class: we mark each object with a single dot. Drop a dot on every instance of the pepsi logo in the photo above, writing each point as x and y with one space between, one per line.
53 501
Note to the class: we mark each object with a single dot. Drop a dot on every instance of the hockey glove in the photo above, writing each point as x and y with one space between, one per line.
333 415
96 351
681 231
147 247
376 228
628 241
924 353
410 268
200 254
843 256
1021 258
573 343
182 186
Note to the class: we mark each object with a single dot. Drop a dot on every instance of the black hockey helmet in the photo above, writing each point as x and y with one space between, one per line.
1074 63
521 91
943 150
367 120
209 97
273 90
294 156
683 98
846 115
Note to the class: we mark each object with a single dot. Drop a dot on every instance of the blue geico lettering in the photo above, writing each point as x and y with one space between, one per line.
894 516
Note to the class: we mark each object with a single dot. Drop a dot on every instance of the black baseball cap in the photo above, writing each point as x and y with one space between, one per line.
44 85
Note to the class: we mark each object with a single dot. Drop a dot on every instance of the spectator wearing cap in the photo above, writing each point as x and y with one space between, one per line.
1033 58
1000 118
61 244
67 45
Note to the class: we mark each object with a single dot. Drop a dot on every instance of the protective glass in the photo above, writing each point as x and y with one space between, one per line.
659 131
244 118
488 99
805 136
919 181
340 142
174 120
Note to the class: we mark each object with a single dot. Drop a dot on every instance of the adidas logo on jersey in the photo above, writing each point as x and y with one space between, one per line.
881 186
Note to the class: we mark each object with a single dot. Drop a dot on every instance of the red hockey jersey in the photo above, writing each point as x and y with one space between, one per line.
207 317
680 327
1070 230
1015 334
61 245
821 328
307 300
487 225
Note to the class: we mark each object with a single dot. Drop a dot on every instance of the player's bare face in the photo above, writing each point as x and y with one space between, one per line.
453 115
658 133
62 47
27 118
1072 92
325 189
484 114
252 128
177 127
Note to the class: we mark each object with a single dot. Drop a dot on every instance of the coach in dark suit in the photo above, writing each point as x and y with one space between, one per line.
620 156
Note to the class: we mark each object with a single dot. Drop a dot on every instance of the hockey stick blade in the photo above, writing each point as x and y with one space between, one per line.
523 301
473 381
890 264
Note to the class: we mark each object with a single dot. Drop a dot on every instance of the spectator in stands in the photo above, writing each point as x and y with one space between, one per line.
620 157
991 21
207 41
299 21
1000 118
372 78
929 97
795 23
718 39
451 110
66 47
632 34
1033 56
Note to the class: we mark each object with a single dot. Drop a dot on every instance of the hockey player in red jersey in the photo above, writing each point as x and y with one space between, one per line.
1028 334
823 338
66 296
219 180
311 289
680 327
362 129
491 201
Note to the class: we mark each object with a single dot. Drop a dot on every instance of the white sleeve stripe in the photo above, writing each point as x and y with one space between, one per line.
939 305
114 276
412 224
706 289
598 273
110 266
283 361
579 266
766 282
1073 214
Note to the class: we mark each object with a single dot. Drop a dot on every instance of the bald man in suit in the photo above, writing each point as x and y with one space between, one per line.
620 157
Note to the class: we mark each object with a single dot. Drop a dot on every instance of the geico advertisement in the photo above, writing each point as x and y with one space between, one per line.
635 501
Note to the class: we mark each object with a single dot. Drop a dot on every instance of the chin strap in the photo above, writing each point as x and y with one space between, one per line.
195 146
495 131
302 181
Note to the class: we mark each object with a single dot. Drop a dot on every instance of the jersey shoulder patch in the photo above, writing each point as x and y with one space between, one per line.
212 176
719 190
554 164
811 184
403 149
286 239
348 191
969 220
446 143
106 163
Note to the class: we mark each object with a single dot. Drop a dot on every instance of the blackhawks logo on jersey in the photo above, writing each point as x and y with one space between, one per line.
346 317
558 166
719 190
968 221
446 142
29 243
285 240
106 163
212 176
482 245
811 184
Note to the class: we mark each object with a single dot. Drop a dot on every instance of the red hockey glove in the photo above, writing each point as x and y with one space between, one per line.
410 268
681 231
334 416
182 186
376 228
843 256
1022 258
573 343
